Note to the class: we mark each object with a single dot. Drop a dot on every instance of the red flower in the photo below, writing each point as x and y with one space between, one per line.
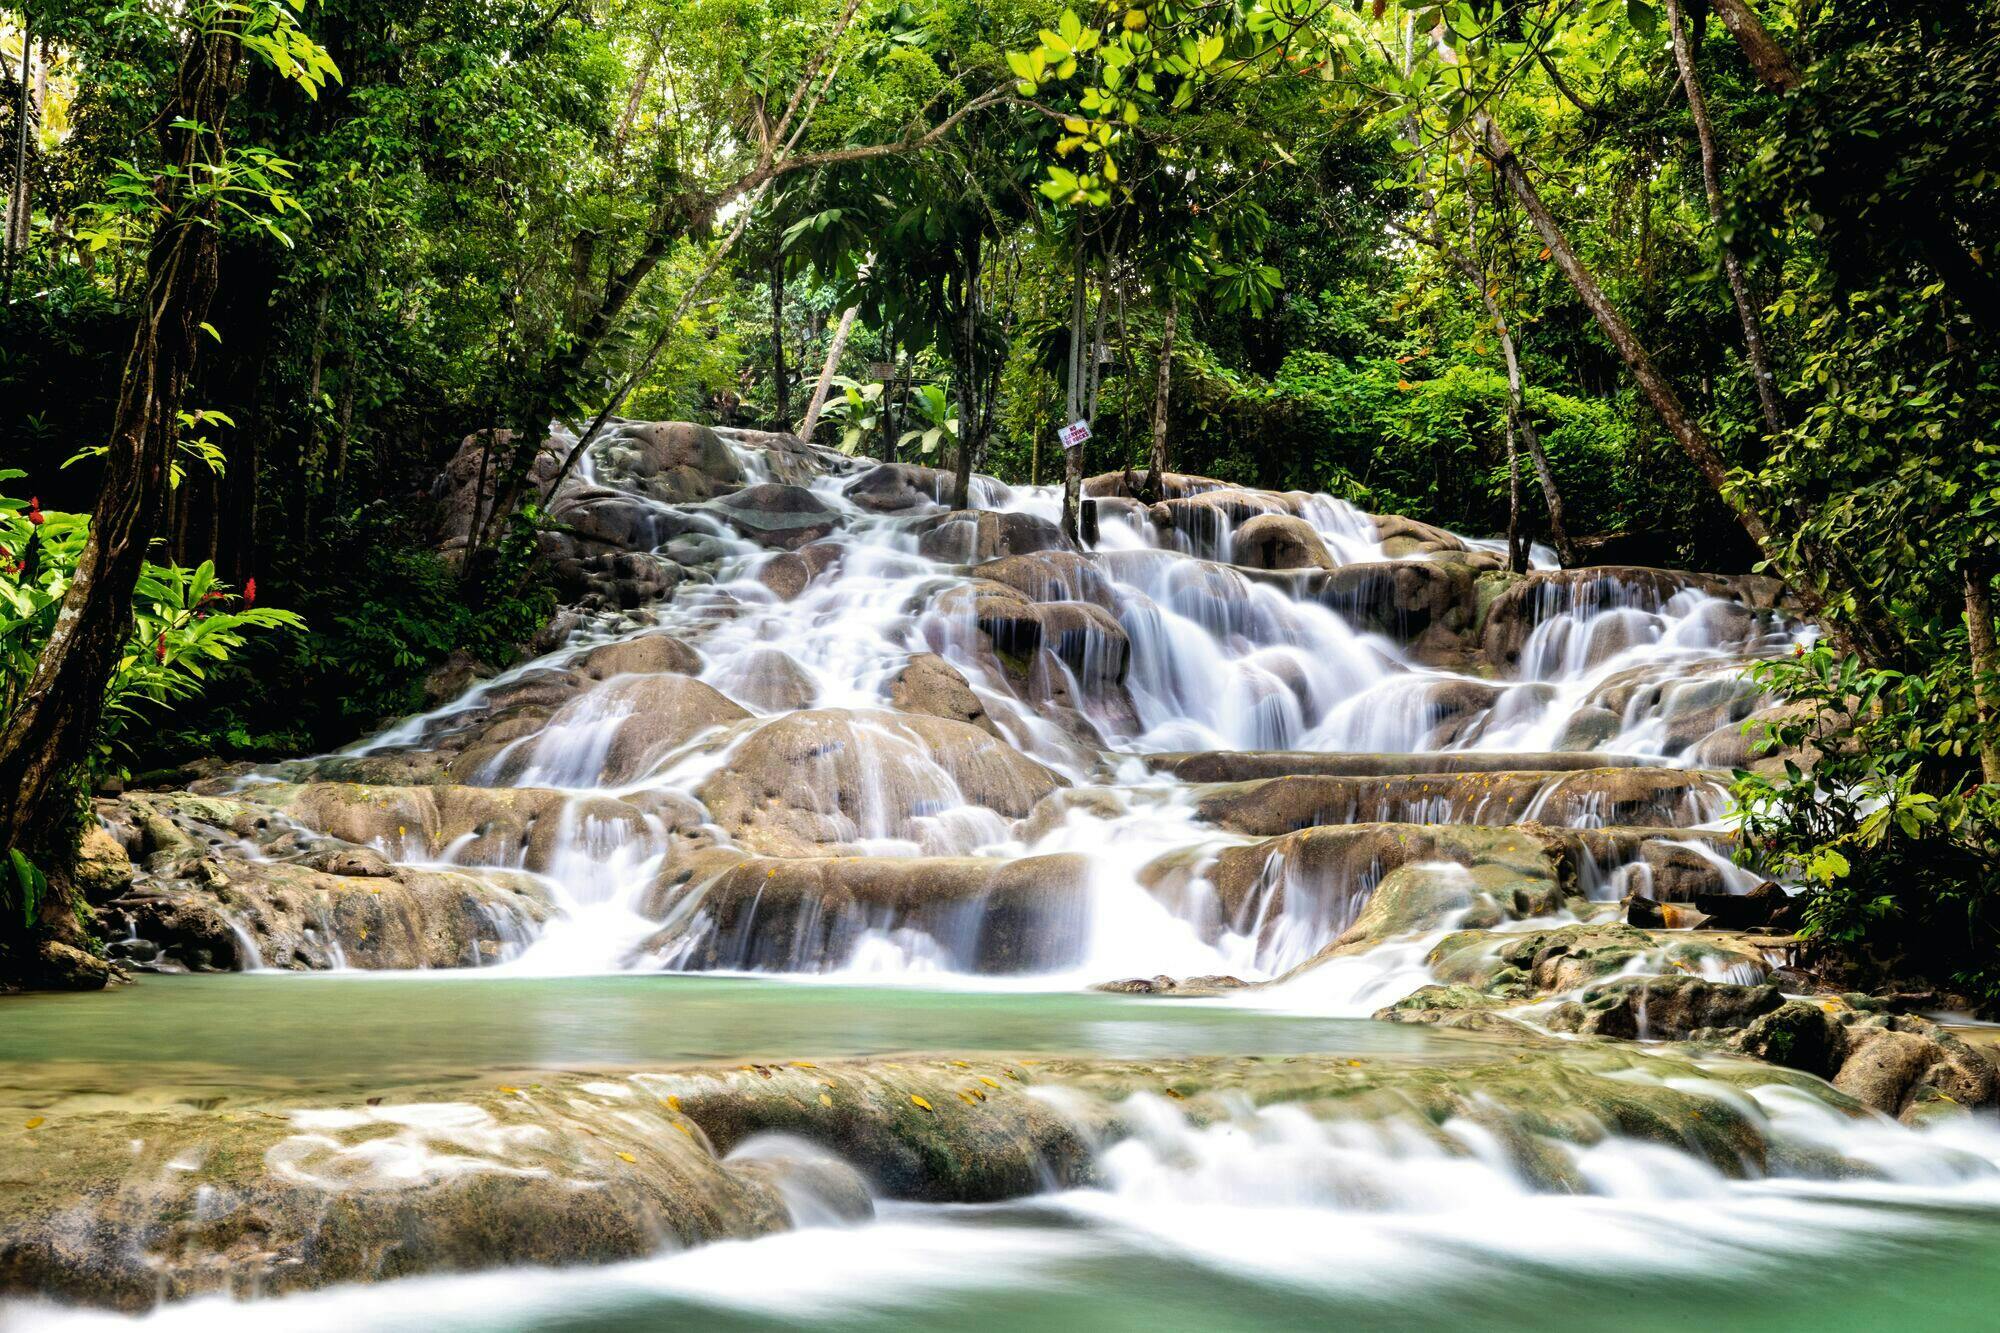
160 648
35 510
250 592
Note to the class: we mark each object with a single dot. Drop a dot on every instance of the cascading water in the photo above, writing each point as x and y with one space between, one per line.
1252 738
1155 645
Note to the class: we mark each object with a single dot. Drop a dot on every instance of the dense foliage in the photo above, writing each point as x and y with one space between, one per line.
1730 283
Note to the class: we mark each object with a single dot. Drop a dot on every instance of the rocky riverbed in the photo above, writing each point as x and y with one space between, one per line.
1253 752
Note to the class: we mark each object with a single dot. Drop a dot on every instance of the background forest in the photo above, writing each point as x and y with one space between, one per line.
1712 278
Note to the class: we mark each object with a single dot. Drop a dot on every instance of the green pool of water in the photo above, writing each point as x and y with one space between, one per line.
342 1032
1181 1248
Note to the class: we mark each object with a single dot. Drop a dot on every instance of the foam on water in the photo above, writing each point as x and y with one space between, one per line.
1219 658
1322 1215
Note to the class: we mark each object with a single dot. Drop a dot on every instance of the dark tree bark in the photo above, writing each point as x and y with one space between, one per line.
19 209
1864 632
1767 59
1985 662
1075 390
1693 441
1156 459
968 370
1732 261
781 389
53 726
1517 548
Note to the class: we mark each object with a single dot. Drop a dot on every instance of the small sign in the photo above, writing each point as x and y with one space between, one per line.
1074 434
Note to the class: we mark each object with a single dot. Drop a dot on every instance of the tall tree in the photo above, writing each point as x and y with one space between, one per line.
54 723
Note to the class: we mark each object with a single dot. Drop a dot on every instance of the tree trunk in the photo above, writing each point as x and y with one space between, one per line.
781 389
1985 662
1732 261
833 351
1866 636
1156 460
1686 432
1767 59
1517 420
1517 548
56 719
968 372
888 411
19 212
1074 391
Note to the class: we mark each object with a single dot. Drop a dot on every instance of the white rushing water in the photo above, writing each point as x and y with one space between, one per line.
1424 1225
1158 645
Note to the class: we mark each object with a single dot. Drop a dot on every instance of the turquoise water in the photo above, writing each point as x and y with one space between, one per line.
276 1032
1261 1224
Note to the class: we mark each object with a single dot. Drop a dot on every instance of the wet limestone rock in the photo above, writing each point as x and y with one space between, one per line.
968 537
1498 872
642 720
934 687
893 488
1128 484
642 655
103 871
1651 797
1655 1008
769 679
777 515
129 1206
798 914
806 782
785 574
1514 966
1051 576
1279 541
524 826
673 461
1902 1066
1431 607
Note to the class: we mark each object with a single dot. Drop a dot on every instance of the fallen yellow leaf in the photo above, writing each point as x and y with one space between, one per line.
921 1102
991 1083
825 1100
673 1102
510 1091
35 1122
628 1157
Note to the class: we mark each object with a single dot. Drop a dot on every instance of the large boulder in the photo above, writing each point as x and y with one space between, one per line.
611 735
1051 576
1902 1066
934 687
890 488
674 461
814 914
778 515
968 537
1663 1008
769 680
1279 541
1434 608
808 783
642 655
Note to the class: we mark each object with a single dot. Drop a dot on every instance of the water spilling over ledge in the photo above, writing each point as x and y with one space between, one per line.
810 734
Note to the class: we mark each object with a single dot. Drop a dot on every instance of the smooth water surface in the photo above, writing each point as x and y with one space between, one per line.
277 1033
